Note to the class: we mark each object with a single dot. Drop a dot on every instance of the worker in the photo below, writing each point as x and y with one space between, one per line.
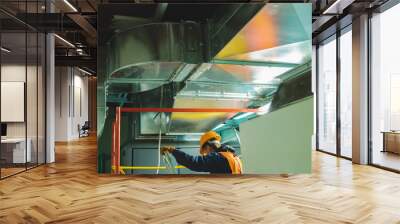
214 156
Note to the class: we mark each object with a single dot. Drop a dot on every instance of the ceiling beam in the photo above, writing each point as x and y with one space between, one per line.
86 26
337 6
79 61
80 20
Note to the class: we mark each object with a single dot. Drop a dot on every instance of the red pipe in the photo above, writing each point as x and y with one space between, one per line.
204 110
118 138
113 160
112 146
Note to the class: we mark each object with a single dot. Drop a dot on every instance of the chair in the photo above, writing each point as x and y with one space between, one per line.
84 130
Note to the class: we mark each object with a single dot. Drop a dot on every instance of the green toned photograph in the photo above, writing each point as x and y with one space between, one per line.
204 88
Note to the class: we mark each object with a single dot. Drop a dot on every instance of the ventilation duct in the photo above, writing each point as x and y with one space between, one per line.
241 57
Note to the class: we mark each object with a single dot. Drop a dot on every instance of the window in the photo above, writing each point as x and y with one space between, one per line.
385 89
346 93
327 96
22 76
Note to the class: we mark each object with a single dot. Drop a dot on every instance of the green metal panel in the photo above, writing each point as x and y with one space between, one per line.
279 142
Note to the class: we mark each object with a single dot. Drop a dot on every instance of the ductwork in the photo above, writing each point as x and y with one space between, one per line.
195 61
148 55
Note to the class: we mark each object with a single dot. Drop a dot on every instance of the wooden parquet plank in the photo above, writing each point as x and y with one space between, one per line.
70 191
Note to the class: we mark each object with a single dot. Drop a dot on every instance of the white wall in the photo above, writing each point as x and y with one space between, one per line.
12 73
61 103
71 94
81 89
16 73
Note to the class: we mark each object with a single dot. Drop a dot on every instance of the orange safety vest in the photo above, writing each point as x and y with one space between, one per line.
234 162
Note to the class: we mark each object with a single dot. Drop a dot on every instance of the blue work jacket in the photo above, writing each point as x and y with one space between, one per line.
212 163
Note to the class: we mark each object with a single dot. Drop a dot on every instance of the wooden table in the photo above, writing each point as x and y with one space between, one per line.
391 141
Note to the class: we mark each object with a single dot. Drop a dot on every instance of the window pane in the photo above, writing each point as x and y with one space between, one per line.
15 151
386 89
346 94
327 97
31 96
41 98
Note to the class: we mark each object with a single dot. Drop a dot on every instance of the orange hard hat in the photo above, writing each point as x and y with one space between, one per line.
208 136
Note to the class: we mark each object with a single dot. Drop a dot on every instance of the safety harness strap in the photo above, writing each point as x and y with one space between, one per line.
234 162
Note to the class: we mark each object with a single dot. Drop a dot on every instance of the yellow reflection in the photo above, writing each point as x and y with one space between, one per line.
197 116
260 33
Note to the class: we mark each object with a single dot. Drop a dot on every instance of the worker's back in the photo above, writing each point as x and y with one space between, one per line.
214 162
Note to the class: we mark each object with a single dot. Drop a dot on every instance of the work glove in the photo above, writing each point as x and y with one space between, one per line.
167 149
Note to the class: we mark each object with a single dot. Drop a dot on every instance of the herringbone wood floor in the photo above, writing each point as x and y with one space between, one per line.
70 191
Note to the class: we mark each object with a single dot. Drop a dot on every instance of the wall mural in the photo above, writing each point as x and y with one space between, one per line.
204 88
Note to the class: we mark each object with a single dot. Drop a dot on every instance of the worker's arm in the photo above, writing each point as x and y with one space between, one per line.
198 163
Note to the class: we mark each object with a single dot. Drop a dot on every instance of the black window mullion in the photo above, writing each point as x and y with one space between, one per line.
369 88
37 90
44 72
338 91
317 97
26 87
